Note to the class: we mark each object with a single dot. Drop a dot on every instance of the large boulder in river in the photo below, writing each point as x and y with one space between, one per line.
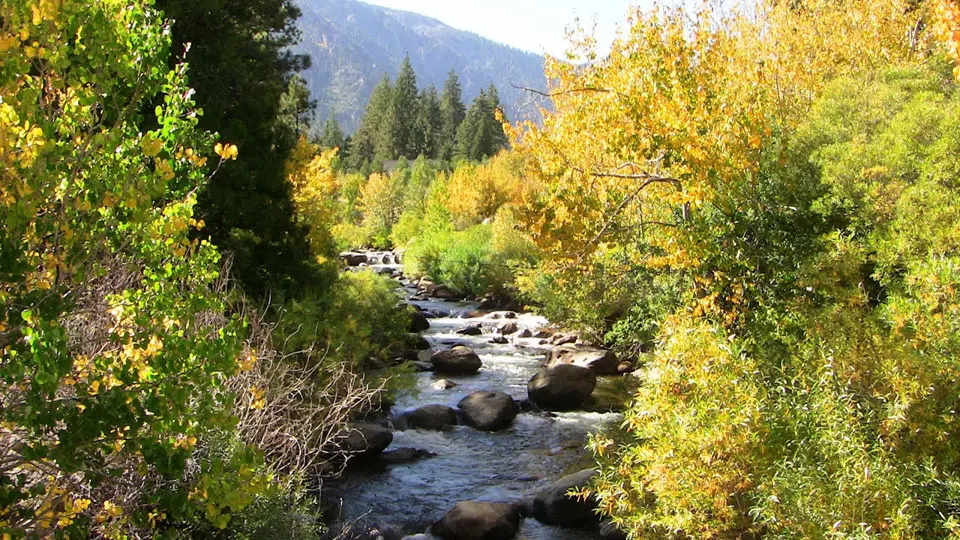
353 258
488 411
599 361
418 322
456 361
475 520
561 388
365 440
553 506
431 417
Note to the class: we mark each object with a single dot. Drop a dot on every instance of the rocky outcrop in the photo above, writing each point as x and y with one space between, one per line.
553 506
561 388
474 520
599 361
488 411
456 361
430 417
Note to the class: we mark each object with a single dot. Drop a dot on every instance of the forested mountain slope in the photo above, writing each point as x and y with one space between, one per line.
353 44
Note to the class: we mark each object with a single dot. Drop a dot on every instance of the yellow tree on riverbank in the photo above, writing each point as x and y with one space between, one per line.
769 161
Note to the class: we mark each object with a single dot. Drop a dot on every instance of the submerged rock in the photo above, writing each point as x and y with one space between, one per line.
456 361
561 388
488 411
404 455
553 506
444 384
474 520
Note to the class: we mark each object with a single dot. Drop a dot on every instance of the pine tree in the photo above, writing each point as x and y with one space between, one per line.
452 114
397 135
332 135
428 124
366 140
297 110
240 67
498 138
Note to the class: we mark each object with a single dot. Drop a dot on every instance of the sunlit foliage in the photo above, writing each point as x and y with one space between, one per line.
114 343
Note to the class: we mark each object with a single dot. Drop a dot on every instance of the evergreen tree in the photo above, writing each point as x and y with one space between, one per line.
297 110
365 140
498 138
240 67
332 136
481 134
397 137
428 124
452 114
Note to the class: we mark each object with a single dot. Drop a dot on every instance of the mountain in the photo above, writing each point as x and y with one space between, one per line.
352 44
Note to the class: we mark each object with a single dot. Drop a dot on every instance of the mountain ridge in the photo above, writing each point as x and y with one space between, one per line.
352 44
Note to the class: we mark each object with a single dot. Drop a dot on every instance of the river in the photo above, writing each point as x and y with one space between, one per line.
505 466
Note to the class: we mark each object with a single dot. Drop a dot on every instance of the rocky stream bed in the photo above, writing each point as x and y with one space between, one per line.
491 438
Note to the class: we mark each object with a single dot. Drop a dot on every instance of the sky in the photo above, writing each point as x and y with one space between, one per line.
537 26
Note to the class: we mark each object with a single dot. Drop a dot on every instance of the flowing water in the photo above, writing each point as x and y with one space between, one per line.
504 466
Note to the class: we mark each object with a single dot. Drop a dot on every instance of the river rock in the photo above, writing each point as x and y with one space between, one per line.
445 293
562 387
625 367
456 361
417 342
431 417
472 330
353 258
418 322
599 361
421 366
553 506
525 333
444 384
365 440
475 520
404 455
563 339
509 328
499 340
488 411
